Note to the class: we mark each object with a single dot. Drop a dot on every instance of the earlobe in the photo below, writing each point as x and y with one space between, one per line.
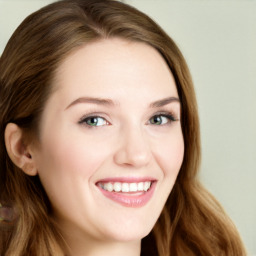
18 152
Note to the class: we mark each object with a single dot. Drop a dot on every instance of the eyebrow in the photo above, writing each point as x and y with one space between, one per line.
97 101
163 102
108 102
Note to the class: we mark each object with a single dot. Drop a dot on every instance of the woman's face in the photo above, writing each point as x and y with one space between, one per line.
111 143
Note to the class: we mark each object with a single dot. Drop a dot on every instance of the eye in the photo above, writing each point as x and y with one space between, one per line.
161 119
94 121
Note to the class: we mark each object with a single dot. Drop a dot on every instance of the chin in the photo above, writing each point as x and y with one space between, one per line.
128 231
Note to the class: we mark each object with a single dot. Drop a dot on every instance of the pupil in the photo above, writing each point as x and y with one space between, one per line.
93 121
157 120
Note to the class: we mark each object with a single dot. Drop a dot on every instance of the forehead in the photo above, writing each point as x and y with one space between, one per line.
117 66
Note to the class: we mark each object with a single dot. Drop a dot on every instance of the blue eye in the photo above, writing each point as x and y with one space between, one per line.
161 119
94 121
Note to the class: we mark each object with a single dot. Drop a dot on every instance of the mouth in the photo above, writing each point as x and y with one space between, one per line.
128 193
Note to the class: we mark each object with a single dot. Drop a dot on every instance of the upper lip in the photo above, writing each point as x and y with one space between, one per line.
126 179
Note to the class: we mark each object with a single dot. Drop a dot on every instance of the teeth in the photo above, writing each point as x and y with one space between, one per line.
108 187
117 186
146 185
133 187
126 187
141 186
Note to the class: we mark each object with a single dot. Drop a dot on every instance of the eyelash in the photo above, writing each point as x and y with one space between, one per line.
170 116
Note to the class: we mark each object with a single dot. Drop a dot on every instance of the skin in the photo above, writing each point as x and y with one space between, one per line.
72 155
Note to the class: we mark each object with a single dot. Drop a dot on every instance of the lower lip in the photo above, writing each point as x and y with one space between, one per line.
130 200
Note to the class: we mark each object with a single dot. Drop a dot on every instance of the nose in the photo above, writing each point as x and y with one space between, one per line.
133 149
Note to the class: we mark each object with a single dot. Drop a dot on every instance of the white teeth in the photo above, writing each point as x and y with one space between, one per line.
141 186
146 185
126 187
133 187
117 186
108 187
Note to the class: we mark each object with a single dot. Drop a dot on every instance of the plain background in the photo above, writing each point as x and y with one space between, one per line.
218 40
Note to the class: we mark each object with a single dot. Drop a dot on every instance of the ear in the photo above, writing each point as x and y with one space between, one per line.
20 154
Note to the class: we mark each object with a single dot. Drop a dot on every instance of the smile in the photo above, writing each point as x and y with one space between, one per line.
128 193
126 187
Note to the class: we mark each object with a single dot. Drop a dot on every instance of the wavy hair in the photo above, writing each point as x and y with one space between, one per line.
192 222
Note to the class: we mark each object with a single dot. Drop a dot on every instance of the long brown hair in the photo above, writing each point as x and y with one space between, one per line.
191 223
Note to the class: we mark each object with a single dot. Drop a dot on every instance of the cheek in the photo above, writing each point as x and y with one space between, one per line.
69 157
170 155
66 166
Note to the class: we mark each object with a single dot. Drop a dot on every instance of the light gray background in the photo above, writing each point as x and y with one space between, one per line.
218 39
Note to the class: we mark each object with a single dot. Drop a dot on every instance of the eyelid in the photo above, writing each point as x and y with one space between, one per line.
168 114
93 114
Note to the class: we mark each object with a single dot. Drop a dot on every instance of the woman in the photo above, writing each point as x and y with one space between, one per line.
100 140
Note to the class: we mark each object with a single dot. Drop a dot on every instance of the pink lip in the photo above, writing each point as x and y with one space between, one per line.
137 199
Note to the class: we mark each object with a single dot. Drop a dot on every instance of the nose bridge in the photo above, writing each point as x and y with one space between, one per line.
134 147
